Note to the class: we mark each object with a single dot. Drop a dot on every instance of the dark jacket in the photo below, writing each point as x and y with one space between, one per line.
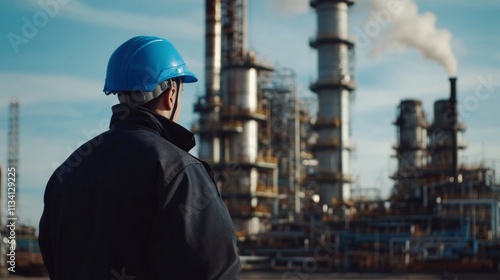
133 204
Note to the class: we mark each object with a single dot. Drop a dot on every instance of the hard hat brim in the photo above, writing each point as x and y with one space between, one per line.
189 78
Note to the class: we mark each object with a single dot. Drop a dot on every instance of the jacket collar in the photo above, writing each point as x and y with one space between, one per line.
142 117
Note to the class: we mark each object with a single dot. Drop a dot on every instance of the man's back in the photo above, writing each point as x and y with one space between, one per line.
130 203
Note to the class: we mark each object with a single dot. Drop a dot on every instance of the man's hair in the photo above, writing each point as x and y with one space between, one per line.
153 103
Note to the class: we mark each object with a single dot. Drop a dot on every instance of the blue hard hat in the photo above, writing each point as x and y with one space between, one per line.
141 63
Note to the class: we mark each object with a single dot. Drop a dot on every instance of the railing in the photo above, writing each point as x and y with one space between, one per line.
324 144
254 160
444 125
334 176
341 80
322 122
235 190
421 122
215 126
266 189
261 189
204 103
330 36
413 146
314 3
238 111
267 159
333 144
261 209
246 209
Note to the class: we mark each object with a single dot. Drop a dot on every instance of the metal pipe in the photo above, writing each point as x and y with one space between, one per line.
243 28
469 201
297 145
491 203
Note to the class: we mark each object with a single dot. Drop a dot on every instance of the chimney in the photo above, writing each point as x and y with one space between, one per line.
453 91
454 126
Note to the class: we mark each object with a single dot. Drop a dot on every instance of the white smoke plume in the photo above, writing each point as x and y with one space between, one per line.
288 7
408 29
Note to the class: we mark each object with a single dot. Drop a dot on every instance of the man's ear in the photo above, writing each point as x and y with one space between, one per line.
169 98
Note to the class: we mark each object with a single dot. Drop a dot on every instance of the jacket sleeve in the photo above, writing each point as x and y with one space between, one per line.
44 235
193 233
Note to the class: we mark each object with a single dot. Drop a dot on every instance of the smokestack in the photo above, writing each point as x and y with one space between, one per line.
453 125
453 91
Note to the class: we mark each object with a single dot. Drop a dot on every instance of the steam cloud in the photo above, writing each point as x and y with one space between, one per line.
408 29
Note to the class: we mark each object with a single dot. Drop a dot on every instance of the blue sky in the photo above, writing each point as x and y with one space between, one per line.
53 57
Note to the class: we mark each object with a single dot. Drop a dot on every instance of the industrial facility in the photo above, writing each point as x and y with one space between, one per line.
284 171
283 164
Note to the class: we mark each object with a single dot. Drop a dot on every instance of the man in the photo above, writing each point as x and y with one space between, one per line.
132 203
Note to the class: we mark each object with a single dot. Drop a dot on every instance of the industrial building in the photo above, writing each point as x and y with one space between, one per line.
284 172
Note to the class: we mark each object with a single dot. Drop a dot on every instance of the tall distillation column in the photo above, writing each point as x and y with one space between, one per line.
445 136
235 144
208 106
334 86
251 193
411 147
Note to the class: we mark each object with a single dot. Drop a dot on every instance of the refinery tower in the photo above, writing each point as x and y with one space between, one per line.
235 127
233 123
334 86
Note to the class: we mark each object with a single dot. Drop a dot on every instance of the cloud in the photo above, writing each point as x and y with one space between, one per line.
119 19
32 88
131 21
288 7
